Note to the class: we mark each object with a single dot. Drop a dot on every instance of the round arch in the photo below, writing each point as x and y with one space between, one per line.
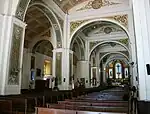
39 43
113 53
115 59
100 19
21 12
108 42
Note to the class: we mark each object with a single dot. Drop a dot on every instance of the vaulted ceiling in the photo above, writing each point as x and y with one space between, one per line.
100 28
65 5
37 23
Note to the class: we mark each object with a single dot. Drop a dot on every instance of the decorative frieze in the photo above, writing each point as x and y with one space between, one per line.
76 24
97 4
23 4
14 66
122 19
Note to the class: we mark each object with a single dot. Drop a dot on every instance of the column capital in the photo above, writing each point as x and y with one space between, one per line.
19 22
62 49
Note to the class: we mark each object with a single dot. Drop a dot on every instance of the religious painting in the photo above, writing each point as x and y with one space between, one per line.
14 66
58 67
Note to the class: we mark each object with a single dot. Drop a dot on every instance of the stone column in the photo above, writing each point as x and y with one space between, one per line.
71 82
142 27
11 54
57 66
61 67
83 71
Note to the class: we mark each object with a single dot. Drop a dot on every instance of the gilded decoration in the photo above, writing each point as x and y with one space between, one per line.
94 43
97 4
13 78
123 41
122 19
76 24
58 67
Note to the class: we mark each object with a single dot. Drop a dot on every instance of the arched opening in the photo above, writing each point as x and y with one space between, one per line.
40 39
101 37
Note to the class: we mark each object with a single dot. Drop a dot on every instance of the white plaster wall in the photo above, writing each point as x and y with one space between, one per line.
122 4
1 48
39 63
8 7
94 14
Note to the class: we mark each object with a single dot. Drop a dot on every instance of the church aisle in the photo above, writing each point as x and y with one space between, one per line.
108 101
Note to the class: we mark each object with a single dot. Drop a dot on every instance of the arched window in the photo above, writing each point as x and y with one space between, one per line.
118 70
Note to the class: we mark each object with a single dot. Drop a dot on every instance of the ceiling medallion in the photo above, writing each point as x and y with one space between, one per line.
96 4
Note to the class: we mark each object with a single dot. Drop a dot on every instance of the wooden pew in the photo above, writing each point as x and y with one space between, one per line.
115 104
41 110
30 99
5 107
89 108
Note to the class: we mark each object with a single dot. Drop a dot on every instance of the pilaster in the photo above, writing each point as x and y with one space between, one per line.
12 41
142 27
61 67
83 71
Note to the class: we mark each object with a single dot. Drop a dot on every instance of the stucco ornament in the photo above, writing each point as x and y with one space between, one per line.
96 4
13 78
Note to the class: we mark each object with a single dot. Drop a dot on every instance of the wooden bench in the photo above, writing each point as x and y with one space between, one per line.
89 108
41 110
115 104
5 107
